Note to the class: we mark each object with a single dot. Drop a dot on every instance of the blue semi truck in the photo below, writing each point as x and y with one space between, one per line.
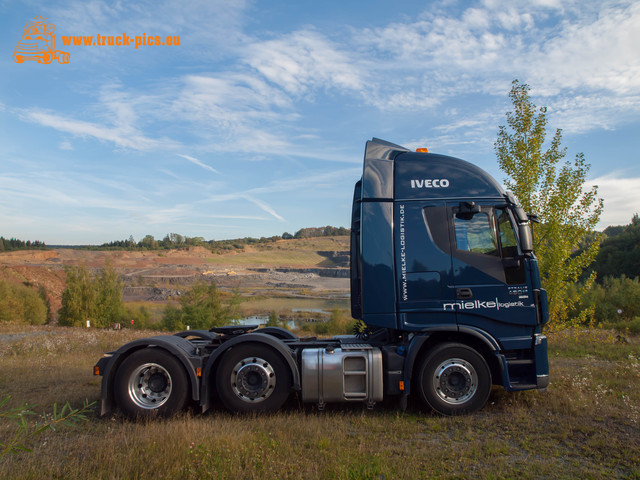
444 277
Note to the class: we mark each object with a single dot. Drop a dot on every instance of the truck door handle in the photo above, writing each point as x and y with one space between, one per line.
464 293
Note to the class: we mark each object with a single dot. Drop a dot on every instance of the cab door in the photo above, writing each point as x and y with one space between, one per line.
423 266
489 271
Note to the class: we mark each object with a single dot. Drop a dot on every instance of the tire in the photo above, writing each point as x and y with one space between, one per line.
46 58
18 58
453 379
151 383
253 378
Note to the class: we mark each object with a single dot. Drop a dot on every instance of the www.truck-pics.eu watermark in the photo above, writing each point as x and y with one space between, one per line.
122 40
38 42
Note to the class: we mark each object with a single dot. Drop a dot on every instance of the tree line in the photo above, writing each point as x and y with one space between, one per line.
11 244
176 240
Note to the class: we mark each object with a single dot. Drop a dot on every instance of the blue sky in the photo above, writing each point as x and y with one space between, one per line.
256 123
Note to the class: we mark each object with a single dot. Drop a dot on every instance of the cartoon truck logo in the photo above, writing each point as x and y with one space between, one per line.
39 43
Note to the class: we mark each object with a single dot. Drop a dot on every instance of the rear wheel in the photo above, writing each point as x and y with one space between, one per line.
454 379
151 382
253 378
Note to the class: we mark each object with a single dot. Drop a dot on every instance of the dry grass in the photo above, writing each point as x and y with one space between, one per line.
585 426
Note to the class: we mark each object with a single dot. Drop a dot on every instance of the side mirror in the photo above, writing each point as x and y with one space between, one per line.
526 239
466 210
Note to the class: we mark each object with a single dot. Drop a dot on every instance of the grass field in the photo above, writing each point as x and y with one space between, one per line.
585 426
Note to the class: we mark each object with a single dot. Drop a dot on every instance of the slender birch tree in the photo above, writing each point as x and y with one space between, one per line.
554 190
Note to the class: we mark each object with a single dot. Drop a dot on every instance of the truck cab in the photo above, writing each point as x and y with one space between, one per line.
438 246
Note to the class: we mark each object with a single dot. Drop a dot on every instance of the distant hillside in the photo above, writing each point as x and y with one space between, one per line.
175 240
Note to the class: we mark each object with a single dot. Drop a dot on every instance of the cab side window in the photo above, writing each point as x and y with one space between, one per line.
486 240
475 234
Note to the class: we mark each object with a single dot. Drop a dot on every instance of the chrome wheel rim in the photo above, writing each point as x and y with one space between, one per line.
150 386
455 381
253 380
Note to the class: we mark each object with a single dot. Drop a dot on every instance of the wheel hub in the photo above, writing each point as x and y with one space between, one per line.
157 382
150 386
455 381
253 379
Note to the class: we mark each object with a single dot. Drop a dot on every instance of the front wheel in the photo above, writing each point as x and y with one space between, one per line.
151 382
454 379
253 378
46 58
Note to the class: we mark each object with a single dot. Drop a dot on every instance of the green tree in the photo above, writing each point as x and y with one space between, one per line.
172 319
109 305
149 242
78 298
203 307
96 299
554 191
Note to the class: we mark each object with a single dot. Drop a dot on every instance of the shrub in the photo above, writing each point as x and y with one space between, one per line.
340 323
97 299
273 320
139 318
615 301
21 304
203 307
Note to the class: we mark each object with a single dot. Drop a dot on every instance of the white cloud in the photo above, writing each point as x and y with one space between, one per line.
583 112
263 206
599 53
563 49
621 196
195 161
122 137
303 61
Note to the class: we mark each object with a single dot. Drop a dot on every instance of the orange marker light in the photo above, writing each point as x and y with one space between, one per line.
422 150
401 386
198 372
96 370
